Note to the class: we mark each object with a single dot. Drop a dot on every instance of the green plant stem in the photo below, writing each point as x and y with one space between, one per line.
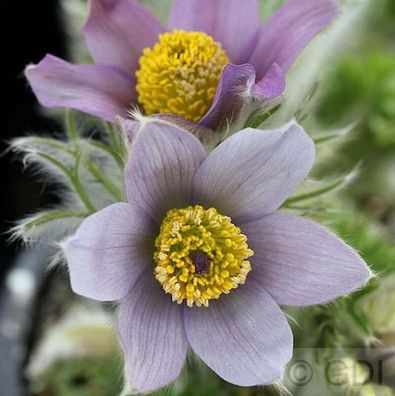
74 180
323 139
357 319
112 134
71 128
94 170
51 143
315 193
82 193
102 146
116 143
107 183
54 215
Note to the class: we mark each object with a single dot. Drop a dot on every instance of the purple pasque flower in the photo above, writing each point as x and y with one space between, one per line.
213 56
199 257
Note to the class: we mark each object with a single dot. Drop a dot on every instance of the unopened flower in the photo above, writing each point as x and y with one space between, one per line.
213 56
198 256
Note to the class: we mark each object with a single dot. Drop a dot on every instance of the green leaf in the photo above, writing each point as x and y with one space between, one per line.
105 181
332 135
117 143
71 128
256 119
325 189
74 179
51 216
53 224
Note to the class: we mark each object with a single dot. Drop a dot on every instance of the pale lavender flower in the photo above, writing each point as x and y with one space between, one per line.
117 32
204 228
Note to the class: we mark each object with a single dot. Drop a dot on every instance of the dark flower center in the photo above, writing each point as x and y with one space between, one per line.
201 261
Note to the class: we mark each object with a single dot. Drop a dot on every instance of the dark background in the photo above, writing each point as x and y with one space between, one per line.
30 30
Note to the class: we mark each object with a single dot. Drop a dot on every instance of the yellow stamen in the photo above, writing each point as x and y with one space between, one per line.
180 74
200 255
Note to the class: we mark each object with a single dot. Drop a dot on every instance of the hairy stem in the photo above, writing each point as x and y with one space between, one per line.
53 215
74 178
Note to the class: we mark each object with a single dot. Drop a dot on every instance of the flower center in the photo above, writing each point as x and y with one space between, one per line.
200 255
180 74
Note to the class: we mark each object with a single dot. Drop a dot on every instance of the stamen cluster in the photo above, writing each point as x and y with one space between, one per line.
186 236
180 74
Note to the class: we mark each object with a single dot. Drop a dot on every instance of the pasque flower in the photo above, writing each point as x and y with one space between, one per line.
199 257
213 56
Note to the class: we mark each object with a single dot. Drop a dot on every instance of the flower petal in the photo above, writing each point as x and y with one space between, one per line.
207 136
204 134
243 336
252 173
153 336
237 86
129 127
162 162
117 31
300 262
109 252
288 31
103 91
234 26
271 85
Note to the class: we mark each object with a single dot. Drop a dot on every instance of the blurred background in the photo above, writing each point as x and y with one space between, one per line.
39 29
32 29
47 346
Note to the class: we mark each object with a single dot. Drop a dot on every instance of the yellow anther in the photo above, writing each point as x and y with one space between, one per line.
190 288
196 263
180 74
169 269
